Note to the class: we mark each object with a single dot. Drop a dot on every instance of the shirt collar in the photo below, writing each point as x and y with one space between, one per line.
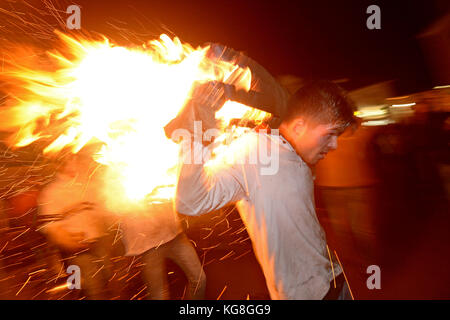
292 154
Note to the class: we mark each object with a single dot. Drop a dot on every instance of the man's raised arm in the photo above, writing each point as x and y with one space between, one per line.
199 191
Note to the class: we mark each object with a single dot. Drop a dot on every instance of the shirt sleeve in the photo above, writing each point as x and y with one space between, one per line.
200 191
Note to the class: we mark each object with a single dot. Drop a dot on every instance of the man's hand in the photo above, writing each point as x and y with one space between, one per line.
207 98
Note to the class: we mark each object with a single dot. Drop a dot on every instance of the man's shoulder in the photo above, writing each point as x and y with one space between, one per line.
240 146
251 139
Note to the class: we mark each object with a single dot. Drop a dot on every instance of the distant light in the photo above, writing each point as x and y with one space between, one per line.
404 105
398 98
370 112
442 87
376 122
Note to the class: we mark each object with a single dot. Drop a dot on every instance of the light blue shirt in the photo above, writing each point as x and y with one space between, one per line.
277 208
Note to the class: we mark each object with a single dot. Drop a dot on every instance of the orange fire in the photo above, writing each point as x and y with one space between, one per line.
96 91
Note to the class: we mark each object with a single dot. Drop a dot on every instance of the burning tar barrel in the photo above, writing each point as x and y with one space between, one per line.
265 94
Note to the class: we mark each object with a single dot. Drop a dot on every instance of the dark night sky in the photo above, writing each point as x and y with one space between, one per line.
310 39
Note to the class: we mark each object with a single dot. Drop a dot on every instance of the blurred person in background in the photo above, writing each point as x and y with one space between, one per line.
348 191
154 233
410 156
75 222
3 229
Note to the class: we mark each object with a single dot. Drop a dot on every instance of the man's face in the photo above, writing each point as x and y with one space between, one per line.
313 141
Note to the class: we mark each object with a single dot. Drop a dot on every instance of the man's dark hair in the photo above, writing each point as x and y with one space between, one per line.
321 102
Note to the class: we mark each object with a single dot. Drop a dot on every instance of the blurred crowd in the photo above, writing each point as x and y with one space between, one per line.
385 182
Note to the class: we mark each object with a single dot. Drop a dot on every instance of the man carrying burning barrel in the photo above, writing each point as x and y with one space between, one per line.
276 207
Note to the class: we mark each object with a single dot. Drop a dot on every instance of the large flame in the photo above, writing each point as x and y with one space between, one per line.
122 97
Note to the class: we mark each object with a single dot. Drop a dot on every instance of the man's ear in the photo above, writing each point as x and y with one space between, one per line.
298 126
